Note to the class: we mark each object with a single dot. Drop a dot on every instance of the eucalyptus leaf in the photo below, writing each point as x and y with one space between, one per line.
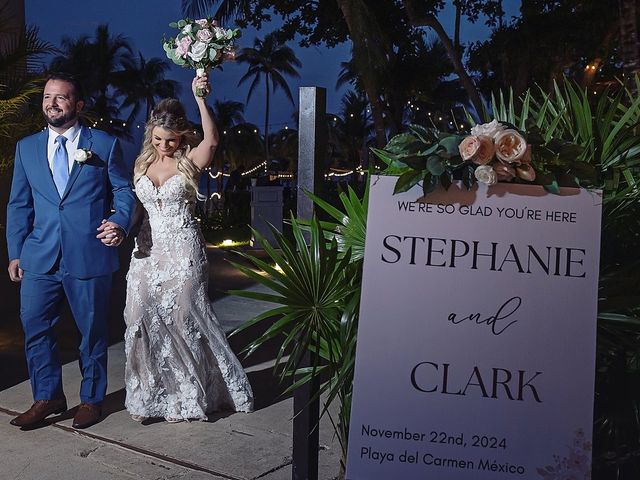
435 165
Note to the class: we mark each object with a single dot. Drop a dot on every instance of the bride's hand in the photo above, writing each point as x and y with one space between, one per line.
201 83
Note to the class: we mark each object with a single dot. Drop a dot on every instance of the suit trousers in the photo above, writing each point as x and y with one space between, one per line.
41 300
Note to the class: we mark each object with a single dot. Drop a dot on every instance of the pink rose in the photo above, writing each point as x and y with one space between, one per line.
204 35
183 46
468 147
203 22
505 173
485 152
477 148
526 172
510 146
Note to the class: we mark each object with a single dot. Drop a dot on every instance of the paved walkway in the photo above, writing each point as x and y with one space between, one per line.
232 446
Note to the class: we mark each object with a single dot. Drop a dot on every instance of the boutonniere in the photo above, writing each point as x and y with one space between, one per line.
82 155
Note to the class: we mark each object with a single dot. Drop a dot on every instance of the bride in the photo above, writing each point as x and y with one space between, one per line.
179 365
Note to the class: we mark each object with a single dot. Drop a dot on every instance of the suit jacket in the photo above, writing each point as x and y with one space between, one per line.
41 226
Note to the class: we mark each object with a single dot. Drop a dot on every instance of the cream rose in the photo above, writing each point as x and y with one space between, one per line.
510 146
187 29
81 155
203 22
490 129
526 172
486 174
198 51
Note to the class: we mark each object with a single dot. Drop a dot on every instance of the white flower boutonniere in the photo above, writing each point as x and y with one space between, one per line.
82 155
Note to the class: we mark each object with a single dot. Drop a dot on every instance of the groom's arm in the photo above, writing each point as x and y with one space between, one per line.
120 177
20 211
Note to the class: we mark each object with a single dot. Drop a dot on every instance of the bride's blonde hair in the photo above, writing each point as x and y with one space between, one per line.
169 114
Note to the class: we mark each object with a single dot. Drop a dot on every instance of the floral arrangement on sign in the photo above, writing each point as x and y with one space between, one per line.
493 152
201 44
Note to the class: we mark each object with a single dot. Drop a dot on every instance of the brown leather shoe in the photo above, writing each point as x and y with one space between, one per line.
40 410
88 414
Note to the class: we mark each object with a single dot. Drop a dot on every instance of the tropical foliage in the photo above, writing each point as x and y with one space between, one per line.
317 286
270 60
20 84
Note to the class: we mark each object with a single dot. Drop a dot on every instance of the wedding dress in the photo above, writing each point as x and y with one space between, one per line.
179 363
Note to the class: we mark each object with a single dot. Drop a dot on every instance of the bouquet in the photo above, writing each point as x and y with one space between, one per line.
201 45
493 152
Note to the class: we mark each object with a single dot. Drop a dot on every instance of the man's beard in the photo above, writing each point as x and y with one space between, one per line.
60 121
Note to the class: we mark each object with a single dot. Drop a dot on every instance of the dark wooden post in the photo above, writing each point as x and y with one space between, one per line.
312 146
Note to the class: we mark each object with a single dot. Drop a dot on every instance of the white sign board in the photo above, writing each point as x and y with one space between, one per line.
476 340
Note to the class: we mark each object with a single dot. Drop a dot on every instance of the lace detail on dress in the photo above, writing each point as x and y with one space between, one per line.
179 363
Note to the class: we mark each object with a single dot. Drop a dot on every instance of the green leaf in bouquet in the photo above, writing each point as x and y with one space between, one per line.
430 183
400 143
173 24
414 161
182 23
429 151
446 179
435 165
408 180
424 134
468 177
552 187
393 161
455 161
450 144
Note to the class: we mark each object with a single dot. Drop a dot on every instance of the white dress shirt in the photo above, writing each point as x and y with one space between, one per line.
73 135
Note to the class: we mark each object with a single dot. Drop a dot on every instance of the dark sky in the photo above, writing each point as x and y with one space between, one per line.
144 22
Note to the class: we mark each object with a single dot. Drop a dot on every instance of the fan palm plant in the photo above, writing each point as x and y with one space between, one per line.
318 289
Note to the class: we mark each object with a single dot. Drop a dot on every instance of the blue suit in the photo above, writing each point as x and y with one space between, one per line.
54 237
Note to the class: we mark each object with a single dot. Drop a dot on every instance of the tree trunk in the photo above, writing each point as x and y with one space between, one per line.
13 24
629 40
454 55
362 47
266 125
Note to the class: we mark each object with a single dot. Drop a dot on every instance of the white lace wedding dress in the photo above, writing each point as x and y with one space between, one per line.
179 363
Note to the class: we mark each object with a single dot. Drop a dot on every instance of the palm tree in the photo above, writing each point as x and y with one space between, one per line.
356 128
20 70
227 114
95 63
141 82
269 58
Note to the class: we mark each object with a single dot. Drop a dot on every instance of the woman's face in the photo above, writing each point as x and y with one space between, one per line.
164 141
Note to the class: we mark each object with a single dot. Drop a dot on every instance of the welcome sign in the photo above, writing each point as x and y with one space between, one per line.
476 341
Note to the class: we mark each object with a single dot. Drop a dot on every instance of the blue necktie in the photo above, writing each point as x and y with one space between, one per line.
61 165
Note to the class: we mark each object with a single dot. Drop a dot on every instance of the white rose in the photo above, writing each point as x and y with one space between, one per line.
81 155
198 51
490 129
219 32
187 29
486 174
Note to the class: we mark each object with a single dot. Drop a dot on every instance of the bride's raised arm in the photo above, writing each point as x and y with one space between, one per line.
202 155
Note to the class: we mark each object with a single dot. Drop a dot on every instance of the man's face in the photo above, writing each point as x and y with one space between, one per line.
59 104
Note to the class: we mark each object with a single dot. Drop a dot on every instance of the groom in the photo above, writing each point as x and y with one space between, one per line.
71 204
